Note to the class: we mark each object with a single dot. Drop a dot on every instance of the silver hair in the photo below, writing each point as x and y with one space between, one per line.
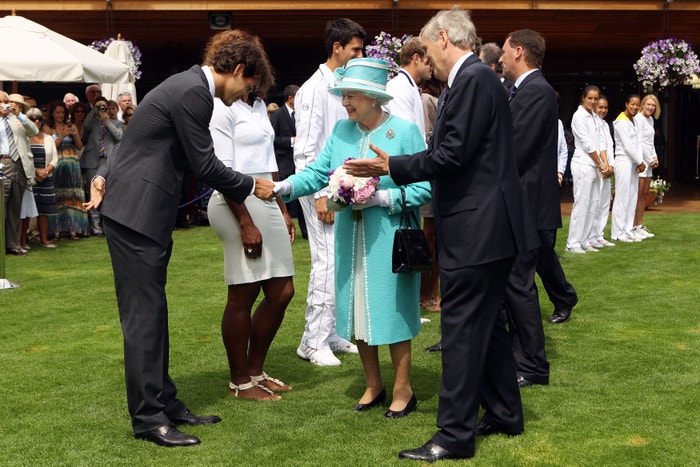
381 100
458 25
34 112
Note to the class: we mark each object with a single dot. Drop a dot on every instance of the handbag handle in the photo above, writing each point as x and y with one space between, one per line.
407 216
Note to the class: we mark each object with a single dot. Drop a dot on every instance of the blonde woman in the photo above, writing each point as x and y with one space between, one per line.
645 127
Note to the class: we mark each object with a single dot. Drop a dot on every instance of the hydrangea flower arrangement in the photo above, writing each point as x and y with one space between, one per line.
101 45
387 47
666 62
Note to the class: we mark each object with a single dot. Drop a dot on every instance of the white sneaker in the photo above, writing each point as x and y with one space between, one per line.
589 248
637 235
605 243
647 231
320 357
340 345
577 250
625 239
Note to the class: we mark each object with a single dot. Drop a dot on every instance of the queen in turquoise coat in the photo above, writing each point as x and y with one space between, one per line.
373 304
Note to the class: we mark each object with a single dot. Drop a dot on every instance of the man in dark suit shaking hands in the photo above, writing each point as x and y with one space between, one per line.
533 106
139 190
482 223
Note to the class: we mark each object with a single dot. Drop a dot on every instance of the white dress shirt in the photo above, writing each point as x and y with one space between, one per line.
406 102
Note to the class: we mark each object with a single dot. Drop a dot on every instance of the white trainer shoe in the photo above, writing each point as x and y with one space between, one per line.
340 345
637 235
605 243
625 239
647 231
320 357
589 248
577 250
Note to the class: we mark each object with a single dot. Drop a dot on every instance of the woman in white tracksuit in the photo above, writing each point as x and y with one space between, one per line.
588 165
628 164
601 219
649 110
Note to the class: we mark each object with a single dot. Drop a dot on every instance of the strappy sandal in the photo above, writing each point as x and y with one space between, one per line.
235 389
430 305
266 381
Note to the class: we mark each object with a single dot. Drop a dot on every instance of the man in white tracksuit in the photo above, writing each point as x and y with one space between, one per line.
316 113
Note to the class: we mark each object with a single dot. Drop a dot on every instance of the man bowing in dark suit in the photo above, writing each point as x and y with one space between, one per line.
534 110
482 223
139 205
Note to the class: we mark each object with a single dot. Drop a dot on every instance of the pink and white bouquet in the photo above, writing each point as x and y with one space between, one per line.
347 190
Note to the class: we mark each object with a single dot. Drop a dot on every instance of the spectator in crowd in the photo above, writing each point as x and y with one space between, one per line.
102 133
19 170
256 238
77 116
71 219
128 113
45 161
374 305
316 115
124 100
92 92
70 100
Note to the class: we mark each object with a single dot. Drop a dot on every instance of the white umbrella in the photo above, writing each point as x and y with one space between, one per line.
32 52
119 51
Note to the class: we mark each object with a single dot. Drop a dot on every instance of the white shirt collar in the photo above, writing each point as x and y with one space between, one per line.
522 77
210 79
289 109
456 67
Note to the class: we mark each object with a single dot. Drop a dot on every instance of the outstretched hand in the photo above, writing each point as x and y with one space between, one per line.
97 192
369 167
264 189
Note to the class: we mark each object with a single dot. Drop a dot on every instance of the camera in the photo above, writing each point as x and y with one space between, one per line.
102 108
5 106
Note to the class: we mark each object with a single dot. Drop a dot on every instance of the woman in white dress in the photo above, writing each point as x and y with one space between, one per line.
256 237
650 110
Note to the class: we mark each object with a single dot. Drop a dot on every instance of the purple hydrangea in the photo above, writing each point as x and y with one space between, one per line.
101 45
387 47
666 62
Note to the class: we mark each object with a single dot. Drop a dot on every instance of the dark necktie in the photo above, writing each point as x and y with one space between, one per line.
511 93
442 99
102 151
294 123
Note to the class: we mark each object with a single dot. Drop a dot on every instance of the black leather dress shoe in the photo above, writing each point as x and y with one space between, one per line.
188 418
434 348
168 436
410 407
524 382
560 316
430 452
377 401
484 429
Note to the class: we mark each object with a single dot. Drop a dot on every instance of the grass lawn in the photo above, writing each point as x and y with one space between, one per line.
625 381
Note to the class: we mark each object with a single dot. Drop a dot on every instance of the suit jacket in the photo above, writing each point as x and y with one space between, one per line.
534 111
284 127
93 134
480 210
169 132
23 130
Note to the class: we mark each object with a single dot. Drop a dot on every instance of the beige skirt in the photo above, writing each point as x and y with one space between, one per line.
276 259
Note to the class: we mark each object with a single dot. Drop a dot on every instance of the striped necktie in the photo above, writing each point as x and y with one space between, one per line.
14 154
102 150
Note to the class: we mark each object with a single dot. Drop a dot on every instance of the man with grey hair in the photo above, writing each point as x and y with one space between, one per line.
490 54
482 223
92 92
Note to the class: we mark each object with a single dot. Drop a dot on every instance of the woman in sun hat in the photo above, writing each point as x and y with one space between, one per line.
374 305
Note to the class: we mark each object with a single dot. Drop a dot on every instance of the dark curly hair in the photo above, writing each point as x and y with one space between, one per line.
228 49
50 122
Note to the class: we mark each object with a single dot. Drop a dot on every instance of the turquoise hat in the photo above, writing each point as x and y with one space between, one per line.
363 74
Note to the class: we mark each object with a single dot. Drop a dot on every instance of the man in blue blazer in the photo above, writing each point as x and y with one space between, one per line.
482 223
139 190
533 107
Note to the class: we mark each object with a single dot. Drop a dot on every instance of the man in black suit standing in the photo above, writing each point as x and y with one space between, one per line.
139 206
282 121
482 223
533 106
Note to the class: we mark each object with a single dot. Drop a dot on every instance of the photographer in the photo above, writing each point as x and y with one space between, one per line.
101 135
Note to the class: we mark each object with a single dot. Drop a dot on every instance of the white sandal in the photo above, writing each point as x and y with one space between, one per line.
236 388
265 377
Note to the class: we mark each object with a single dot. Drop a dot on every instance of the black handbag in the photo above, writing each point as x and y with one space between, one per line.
411 252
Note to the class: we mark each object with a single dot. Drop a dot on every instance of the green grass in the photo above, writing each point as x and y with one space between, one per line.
624 384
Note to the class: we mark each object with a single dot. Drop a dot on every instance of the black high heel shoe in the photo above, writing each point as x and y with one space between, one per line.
410 407
377 401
